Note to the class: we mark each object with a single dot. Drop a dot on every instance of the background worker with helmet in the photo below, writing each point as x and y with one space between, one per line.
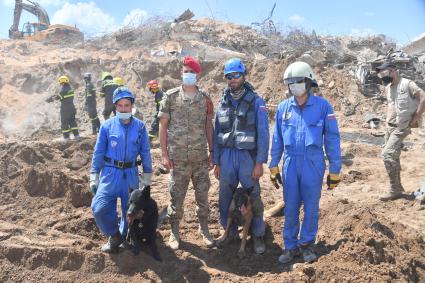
107 91
114 172
68 111
90 93
304 125
119 81
153 88
241 144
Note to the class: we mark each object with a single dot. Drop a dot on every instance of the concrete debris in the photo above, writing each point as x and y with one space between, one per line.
186 15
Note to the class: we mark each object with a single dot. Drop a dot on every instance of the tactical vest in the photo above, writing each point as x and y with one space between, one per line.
403 106
237 126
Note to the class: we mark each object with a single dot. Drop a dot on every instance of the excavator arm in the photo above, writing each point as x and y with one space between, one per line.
33 8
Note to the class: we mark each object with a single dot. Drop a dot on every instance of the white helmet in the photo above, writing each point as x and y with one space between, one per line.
298 70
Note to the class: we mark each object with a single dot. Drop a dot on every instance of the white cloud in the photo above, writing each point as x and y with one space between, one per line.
369 14
296 18
87 16
8 2
134 18
363 32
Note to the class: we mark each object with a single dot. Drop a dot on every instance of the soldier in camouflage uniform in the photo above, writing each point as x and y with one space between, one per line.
91 103
406 104
186 114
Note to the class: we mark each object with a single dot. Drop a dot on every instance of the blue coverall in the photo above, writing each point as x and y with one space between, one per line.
119 142
236 166
301 134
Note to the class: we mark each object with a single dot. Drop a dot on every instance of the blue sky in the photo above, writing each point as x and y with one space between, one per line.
400 20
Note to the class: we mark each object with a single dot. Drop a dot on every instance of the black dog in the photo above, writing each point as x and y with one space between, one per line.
142 218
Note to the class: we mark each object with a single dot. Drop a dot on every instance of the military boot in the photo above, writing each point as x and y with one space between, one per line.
396 189
113 244
204 232
174 240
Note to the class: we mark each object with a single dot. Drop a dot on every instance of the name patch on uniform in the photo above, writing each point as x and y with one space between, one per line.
114 144
263 108
331 117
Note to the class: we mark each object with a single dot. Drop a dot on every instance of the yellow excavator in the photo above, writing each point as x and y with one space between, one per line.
41 30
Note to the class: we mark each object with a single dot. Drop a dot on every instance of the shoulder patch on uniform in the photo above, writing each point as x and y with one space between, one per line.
173 90
263 108
331 116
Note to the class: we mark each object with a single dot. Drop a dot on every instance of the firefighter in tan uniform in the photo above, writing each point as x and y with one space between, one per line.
186 134
406 104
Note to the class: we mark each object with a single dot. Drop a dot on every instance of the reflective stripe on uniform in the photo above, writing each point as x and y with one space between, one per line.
245 139
223 119
68 94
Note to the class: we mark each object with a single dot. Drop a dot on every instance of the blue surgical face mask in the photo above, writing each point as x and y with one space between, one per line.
123 116
189 79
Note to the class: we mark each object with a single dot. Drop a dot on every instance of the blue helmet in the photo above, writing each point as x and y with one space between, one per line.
234 65
122 92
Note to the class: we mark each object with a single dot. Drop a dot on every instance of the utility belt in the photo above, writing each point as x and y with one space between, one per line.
307 152
122 164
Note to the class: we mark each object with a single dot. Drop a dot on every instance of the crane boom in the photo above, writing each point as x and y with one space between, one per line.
31 7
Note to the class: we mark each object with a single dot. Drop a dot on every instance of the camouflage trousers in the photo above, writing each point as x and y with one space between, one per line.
391 155
180 176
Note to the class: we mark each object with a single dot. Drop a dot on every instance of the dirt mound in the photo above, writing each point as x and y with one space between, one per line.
353 235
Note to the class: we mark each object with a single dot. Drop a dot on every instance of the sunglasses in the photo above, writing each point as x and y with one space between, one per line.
233 76
294 80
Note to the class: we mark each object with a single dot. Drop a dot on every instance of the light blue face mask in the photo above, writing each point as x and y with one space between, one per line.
189 79
123 116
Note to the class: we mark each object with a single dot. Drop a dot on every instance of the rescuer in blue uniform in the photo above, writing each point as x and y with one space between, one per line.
241 143
114 172
304 125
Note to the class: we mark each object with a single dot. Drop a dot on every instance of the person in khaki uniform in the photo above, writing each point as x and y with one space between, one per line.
406 104
186 134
